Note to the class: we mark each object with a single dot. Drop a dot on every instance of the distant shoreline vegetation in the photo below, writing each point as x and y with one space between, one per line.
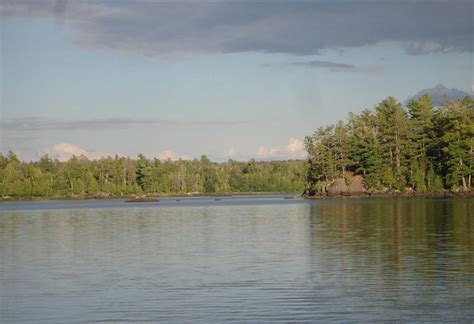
395 150
112 177
389 150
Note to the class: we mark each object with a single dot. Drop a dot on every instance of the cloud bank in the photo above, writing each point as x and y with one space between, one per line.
173 156
42 124
330 66
232 153
64 151
155 28
293 150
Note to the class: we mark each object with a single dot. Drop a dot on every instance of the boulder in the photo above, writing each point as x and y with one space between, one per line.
349 186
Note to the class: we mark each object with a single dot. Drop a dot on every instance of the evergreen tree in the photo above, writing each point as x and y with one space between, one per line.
455 142
393 131
365 148
420 136
423 148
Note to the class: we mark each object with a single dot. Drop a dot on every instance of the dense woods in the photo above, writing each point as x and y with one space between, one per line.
420 147
394 148
121 176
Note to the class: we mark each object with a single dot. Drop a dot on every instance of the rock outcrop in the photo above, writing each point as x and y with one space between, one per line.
350 186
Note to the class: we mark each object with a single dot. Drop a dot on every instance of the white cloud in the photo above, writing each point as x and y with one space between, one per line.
231 153
170 155
472 87
296 148
64 151
295 145
267 152
293 150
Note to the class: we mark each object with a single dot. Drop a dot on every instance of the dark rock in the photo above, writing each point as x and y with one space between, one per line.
142 199
349 186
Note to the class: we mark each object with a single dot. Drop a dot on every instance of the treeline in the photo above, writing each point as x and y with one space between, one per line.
420 147
122 176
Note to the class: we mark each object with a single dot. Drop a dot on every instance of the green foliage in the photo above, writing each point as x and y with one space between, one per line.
324 151
365 149
392 136
119 176
454 124
421 147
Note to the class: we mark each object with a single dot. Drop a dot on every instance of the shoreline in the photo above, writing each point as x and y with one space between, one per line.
442 194
147 196
414 194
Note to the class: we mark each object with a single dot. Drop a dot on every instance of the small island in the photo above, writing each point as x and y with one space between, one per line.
142 199
391 150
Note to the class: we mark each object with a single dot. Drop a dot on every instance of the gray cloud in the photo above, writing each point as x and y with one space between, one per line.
156 28
44 124
331 66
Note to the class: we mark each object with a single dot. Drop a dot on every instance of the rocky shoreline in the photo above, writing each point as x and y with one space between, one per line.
354 187
394 194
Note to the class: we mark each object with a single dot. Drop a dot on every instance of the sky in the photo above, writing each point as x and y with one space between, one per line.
229 79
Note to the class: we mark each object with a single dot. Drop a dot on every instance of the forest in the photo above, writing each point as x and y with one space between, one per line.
393 148
418 147
122 176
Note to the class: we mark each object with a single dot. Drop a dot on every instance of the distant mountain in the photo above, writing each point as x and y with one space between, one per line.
439 92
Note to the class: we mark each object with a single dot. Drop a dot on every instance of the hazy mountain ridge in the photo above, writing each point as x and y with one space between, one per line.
439 92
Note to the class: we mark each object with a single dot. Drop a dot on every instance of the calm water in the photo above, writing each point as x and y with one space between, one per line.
237 259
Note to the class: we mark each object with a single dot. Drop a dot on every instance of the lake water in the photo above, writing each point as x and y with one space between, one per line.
243 259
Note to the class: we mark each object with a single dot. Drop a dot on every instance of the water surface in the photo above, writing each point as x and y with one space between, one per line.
242 259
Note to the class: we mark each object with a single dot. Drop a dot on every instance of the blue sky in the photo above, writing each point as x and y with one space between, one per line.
227 79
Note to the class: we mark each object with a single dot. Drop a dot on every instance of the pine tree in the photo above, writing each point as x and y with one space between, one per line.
393 131
455 131
420 136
